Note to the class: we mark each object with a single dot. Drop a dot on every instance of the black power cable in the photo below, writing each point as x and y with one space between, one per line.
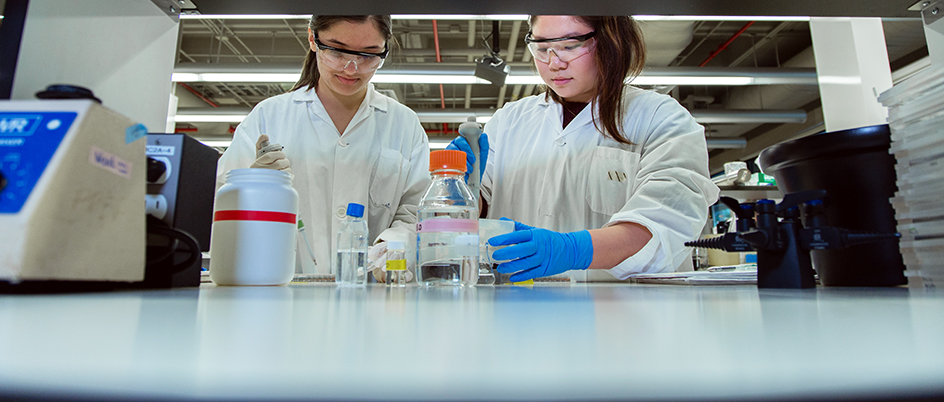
157 227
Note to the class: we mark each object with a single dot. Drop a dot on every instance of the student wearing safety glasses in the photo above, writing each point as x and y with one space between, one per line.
343 141
596 173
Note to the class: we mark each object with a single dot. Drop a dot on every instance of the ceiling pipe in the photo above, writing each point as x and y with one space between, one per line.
726 44
748 116
726 143
198 94
442 94
438 60
789 96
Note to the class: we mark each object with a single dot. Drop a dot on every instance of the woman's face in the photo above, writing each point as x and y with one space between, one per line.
349 80
575 81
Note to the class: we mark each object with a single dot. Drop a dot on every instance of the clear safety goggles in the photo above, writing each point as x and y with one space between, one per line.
566 49
340 59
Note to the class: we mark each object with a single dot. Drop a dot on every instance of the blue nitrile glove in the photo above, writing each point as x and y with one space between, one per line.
460 144
541 252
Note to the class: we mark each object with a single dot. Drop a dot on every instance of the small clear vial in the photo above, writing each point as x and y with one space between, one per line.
396 264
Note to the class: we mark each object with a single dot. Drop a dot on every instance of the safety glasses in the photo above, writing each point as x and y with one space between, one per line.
339 59
566 49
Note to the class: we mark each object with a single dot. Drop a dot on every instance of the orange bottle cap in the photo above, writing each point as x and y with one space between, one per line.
447 159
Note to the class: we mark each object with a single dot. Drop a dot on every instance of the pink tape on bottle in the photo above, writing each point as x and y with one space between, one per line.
448 225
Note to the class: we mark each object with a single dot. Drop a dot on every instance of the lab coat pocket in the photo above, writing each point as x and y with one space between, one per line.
610 179
385 180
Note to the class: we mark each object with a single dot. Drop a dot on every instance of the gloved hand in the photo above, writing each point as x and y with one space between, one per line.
460 144
270 156
377 257
541 252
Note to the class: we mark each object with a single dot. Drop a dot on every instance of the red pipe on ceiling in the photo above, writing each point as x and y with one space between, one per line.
725 44
199 95
442 95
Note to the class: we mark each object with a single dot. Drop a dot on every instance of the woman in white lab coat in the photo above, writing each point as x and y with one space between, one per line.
343 141
597 174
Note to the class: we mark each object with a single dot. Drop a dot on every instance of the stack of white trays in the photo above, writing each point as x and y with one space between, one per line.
916 117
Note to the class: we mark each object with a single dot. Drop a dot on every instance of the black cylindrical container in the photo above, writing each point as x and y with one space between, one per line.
858 174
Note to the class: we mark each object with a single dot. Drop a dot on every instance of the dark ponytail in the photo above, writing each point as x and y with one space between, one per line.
310 75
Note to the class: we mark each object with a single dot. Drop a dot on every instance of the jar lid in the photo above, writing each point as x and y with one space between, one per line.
447 159
356 210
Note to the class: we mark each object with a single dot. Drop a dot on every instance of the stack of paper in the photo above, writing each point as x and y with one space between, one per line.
916 118
735 276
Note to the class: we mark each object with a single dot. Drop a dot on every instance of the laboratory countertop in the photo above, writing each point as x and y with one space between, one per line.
561 342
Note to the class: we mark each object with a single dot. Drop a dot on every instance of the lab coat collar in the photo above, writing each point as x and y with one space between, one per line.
555 110
374 99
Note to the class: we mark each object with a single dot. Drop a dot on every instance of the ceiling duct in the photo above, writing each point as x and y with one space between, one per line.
439 72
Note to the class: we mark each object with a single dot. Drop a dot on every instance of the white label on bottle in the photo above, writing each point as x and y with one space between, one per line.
467 245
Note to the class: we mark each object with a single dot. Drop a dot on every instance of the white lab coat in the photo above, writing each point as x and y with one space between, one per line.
381 161
574 178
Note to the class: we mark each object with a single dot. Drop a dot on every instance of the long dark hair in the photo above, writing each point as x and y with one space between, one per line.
310 75
619 53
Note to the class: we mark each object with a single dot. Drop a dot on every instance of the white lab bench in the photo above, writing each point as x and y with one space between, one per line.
546 342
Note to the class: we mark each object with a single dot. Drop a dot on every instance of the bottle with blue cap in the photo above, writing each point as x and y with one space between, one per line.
351 263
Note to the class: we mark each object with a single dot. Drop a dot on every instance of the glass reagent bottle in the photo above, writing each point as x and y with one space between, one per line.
447 220
351 261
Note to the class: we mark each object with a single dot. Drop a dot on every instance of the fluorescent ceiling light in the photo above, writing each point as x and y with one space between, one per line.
426 79
464 73
516 17
209 118
734 81
453 79
839 80
713 143
216 143
461 17
453 115
719 18
203 115
234 77
523 80
494 17
245 16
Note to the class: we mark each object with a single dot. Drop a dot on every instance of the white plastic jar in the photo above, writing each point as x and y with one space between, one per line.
254 229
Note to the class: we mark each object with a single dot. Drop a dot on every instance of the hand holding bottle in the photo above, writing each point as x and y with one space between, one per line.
541 252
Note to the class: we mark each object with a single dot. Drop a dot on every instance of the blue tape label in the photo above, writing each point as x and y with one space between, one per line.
135 132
